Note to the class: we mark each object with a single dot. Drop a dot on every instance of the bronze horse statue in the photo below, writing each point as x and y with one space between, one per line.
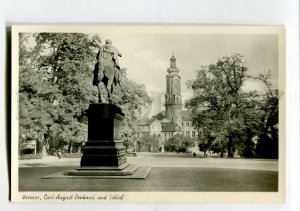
107 71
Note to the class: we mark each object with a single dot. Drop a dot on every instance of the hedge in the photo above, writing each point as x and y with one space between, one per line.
30 156
71 155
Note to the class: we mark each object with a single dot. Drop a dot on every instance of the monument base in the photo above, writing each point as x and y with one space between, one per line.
103 171
129 172
104 146
104 155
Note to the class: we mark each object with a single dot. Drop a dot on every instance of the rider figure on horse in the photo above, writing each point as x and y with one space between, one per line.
112 51
107 53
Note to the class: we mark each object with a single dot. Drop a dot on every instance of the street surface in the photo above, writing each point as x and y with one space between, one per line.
170 172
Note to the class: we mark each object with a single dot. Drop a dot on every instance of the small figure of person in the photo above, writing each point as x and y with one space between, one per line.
81 147
194 154
59 154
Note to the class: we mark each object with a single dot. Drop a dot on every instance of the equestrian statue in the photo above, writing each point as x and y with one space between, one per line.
107 69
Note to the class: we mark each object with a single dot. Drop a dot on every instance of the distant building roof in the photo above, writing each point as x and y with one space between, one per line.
160 116
148 122
170 127
186 115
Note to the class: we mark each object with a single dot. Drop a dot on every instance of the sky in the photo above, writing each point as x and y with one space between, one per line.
147 56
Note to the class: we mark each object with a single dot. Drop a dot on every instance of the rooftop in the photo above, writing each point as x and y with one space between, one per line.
148 122
170 127
186 115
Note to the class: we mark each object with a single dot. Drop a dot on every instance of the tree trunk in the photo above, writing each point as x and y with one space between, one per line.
229 147
70 147
44 150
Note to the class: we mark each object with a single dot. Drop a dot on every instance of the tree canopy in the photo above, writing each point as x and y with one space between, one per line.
179 143
230 119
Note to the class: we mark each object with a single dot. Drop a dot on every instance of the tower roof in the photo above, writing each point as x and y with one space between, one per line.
173 67
173 57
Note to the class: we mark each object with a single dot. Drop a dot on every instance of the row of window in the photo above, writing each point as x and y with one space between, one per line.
186 124
157 127
193 133
187 133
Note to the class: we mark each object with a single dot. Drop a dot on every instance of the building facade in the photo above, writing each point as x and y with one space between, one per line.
173 120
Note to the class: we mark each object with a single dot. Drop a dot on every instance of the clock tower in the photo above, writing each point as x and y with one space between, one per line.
173 102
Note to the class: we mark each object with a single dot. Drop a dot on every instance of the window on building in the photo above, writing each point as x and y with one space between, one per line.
187 133
187 124
182 124
193 133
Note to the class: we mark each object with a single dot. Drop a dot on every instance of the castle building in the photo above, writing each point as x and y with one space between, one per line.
173 120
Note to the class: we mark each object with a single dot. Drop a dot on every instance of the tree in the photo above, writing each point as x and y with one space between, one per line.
178 143
132 98
267 145
148 143
217 99
229 117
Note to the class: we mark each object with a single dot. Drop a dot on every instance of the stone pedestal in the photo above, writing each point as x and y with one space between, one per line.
104 146
104 155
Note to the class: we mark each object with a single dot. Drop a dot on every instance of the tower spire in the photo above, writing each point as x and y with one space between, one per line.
173 62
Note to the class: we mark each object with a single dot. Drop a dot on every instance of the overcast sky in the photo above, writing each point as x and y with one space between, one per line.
147 56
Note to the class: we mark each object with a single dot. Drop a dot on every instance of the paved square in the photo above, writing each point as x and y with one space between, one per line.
168 173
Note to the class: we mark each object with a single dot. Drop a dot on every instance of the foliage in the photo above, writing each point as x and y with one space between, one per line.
55 89
71 155
30 156
178 143
227 117
132 98
148 143
267 146
128 143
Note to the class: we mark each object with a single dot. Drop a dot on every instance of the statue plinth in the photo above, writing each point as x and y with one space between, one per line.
104 146
104 155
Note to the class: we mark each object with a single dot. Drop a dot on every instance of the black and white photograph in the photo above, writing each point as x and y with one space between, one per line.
148 114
